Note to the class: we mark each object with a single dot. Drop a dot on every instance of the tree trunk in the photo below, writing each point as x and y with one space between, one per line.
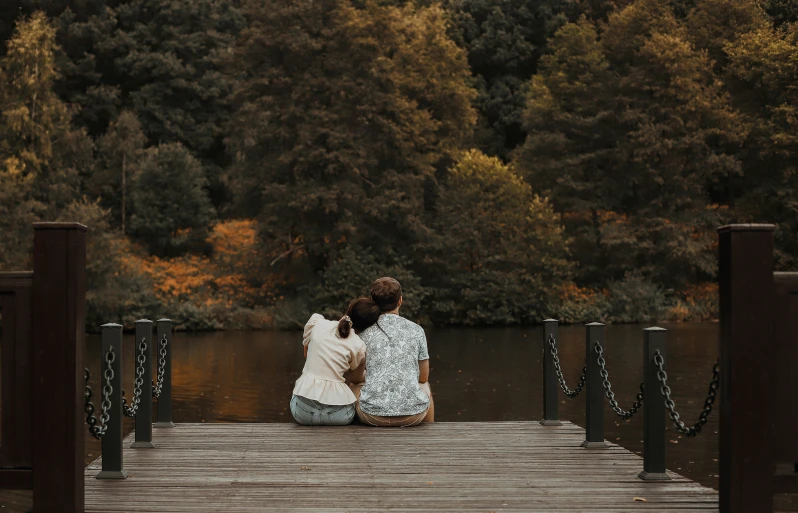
124 191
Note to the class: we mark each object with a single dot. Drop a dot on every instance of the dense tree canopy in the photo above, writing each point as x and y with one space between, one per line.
347 116
241 163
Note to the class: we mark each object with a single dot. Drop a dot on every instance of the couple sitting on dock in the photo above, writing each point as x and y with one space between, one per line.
372 364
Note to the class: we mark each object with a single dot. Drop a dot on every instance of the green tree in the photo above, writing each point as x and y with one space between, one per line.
500 250
170 209
766 61
118 154
162 59
504 40
41 155
346 115
782 11
714 24
627 136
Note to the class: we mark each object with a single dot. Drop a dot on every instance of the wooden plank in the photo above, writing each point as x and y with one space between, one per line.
457 467
16 479
16 375
785 411
10 282
59 268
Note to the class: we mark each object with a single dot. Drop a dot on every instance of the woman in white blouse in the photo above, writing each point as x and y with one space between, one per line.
332 348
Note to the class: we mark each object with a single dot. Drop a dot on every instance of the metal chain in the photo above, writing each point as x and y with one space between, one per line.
156 388
95 430
130 411
570 393
671 406
605 376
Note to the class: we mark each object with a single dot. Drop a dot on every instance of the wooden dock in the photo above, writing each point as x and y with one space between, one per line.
456 467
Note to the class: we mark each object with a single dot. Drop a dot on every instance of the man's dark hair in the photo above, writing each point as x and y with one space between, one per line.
386 292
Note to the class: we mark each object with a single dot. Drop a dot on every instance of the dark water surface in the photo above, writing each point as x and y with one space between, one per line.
477 374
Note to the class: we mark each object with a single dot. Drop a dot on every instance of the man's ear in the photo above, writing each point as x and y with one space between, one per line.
400 302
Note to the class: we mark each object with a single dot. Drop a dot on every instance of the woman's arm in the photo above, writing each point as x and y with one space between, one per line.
305 351
358 375
423 371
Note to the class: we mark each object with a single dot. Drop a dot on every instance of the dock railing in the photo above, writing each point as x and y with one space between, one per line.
113 405
758 407
43 378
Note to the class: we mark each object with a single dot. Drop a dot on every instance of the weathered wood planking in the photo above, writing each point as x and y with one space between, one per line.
457 467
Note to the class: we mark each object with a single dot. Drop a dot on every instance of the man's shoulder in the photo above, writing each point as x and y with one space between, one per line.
404 324
370 333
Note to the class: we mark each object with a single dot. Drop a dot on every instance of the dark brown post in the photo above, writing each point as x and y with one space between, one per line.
653 408
594 400
550 386
59 325
746 289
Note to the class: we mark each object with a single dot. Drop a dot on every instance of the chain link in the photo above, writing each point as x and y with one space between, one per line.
107 389
605 377
671 406
130 411
568 392
156 388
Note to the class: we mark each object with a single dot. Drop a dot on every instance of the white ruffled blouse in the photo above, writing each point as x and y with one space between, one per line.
329 357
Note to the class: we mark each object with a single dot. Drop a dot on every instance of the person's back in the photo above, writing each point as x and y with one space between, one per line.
394 346
396 391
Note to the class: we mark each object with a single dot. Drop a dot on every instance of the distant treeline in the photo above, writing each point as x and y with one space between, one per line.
242 163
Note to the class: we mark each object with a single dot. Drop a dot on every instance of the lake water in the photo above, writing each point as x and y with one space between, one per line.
477 374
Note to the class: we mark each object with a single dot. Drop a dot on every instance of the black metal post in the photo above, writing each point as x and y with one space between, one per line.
112 439
165 399
653 408
551 415
594 417
144 414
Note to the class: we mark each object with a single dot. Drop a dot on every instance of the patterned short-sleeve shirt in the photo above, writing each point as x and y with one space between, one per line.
394 346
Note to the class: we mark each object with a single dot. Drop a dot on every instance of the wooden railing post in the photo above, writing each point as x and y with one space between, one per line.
112 439
746 337
550 386
144 414
653 408
594 412
58 331
165 399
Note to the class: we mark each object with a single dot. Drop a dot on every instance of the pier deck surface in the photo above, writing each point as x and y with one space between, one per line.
455 467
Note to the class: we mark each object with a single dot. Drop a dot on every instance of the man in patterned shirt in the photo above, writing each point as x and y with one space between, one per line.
396 391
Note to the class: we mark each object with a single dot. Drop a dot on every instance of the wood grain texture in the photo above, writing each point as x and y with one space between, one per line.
455 467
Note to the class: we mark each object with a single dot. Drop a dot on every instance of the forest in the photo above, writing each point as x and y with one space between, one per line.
241 164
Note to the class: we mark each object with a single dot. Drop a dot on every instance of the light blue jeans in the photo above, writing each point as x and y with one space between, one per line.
313 413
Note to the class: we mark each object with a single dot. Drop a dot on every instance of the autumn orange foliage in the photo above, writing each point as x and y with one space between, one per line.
228 278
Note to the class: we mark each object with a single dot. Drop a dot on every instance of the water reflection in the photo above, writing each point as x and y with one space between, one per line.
477 374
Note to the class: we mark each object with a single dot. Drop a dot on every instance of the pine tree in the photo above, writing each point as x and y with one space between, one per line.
627 136
504 40
766 62
164 60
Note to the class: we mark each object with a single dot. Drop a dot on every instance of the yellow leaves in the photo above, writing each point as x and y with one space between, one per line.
573 293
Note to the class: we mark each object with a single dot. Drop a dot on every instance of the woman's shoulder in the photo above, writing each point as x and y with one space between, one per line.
317 322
